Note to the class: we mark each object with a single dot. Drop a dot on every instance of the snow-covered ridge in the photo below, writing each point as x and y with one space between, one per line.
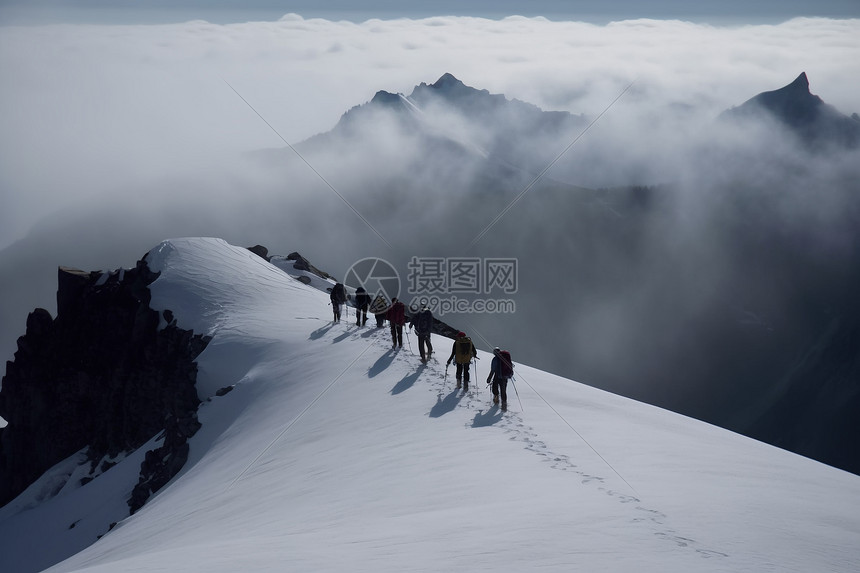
230 293
335 452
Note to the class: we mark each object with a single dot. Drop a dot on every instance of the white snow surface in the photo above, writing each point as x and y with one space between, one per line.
336 453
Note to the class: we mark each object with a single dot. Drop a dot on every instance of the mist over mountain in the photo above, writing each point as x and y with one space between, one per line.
486 124
702 265
682 218
814 122
707 287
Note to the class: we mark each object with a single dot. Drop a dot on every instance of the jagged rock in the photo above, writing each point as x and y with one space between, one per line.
260 251
39 322
70 286
224 391
101 376
302 264
160 465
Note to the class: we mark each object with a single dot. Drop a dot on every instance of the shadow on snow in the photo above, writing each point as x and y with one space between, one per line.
487 418
371 331
407 381
349 332
442 407
381 363
320 332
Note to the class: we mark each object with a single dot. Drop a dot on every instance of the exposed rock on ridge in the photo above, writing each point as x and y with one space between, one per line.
104 376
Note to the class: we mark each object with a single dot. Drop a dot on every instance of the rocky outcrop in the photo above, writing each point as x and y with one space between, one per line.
302 264
260 251
106 374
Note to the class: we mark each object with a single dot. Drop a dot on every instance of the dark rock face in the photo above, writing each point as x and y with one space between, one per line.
302 264
260 251
100 376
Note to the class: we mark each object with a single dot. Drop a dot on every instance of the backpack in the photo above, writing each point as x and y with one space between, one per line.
464 350
338 294
425 322
506 367
397 314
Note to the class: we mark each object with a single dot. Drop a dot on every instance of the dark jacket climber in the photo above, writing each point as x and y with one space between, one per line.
338 297
362 301
501 370
423 324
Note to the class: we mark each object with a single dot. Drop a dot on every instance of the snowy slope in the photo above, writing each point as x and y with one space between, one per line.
335 452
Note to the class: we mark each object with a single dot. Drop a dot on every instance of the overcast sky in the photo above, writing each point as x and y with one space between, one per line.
595 11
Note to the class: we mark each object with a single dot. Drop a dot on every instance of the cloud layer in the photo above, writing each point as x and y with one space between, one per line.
138 120
90 109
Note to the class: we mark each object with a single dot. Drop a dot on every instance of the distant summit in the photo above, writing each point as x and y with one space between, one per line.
449 83
450 91
793 104
447 80
461 118
467 99
816 123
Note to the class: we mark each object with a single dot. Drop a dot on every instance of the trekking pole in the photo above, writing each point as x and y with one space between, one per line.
517 393
475 360
409 342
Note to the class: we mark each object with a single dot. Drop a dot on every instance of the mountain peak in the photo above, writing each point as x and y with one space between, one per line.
790 98
450 87
454 90
796 92
806 114
447 81
801 83
385 98
792 103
